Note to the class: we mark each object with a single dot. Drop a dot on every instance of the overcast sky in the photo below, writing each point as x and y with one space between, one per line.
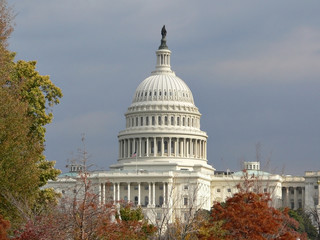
253 68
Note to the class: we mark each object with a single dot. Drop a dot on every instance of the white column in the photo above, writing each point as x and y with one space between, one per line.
139 194
185 153
175 147
162 146
164 194
149 203
155 147
114 192
128 148
103 193
154 194
140 140
100 194
196 148
303 196
119 149
118 191
169 147
200 149
129 197
191 147
295 199
181 148
134 146
125 148
287 197
147 139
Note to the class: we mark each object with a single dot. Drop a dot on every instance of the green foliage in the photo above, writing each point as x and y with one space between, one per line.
305 224
129 214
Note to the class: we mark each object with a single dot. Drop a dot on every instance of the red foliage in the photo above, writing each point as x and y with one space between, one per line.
248 215
4 226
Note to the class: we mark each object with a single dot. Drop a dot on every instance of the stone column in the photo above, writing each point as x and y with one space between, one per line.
191 147
139 194
134 147
196 148
164 194
303 196
295 198
287 197
200 149
154 194
129 141
181 148
118 192
155 149
149 203
140 148
175 147
114 192
147 145
162 146
169 147
103 192
129 193
185 153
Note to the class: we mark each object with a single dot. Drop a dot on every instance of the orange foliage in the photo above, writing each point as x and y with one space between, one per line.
4 226
248 215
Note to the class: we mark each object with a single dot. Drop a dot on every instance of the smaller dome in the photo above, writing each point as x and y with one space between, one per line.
163 87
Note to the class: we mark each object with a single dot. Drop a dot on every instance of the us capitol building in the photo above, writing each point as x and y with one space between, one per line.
162 161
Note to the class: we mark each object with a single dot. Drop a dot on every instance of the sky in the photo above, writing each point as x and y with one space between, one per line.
253 68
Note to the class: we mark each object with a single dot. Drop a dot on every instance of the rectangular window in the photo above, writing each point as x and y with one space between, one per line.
135 187
185 201
146 188
229 189
159 120
147 121
136 121
172 120
166 120
153 120
218 190
141 121
185 187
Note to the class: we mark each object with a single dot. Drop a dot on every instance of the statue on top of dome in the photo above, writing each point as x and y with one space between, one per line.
163 39
164 32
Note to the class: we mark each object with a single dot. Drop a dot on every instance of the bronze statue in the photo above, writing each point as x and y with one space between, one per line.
164 32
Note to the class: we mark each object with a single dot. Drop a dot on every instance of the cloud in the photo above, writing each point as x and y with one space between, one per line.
294 58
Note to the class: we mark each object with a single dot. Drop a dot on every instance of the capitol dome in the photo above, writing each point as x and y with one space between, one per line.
162 122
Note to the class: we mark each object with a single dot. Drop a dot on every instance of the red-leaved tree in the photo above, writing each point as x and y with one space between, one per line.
248 215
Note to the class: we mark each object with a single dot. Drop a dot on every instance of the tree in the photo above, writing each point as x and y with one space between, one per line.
305 223
26 99
4 226
248 215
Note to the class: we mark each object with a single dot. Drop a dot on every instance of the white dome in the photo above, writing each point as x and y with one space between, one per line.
163 87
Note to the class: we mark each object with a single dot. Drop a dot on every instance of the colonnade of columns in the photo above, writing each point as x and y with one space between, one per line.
163 146
150 194
293 197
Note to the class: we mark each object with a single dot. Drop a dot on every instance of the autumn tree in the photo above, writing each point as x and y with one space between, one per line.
4 226
25 109
248 215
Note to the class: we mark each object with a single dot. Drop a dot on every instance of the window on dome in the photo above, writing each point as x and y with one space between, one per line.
145 94
136 121
183 121
159 120
165 93
159 146
188 122
178 121
166 120
183 94
153 120
150 93
132 122
170 93
172 120
147 121
155 93
172 147
141 121
192 122
165 146
159 93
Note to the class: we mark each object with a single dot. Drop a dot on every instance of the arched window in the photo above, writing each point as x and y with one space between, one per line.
159 120
178 121
153 120
172 120
147 121
165 146
166 120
